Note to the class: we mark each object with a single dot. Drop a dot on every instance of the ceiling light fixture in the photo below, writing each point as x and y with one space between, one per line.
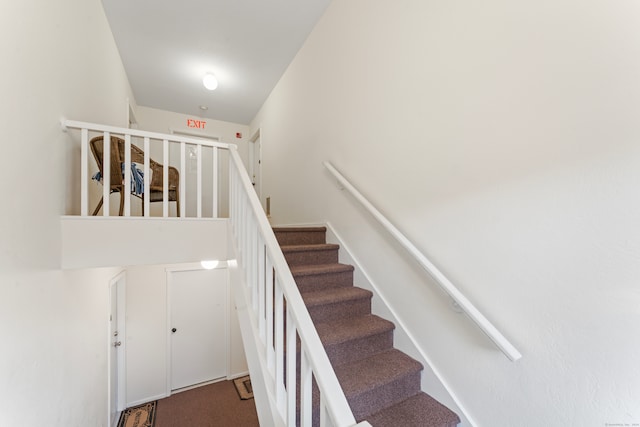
204 107
209 81
209 264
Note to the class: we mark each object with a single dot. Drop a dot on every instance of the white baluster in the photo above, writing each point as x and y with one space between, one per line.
84 171
279 347
306 379
199 181
215 183
254 264
262 327
291 370
165 178
147 181
127 176
271 362
183 180
106 172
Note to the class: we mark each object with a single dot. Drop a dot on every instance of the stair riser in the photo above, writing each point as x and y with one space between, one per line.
312 257
318 282
340 310
286 238
384 396
360 348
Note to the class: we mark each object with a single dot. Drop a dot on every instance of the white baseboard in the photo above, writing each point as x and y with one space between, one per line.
146 400
237 375
202 384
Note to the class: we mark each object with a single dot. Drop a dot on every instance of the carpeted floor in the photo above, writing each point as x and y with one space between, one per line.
214 405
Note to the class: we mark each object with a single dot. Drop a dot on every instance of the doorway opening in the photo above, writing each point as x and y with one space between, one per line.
116 341
255 163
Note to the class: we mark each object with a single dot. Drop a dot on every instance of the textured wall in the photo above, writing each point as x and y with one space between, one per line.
502 138
59 61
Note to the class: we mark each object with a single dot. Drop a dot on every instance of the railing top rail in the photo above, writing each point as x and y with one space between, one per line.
328 384
142 133
483 323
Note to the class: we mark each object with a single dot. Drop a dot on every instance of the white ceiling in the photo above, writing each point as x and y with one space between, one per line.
168 45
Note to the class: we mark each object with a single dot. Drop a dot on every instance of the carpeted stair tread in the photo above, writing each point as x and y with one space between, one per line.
309 270
299 236
337 303
354 338
342 330
322 276
325 253
312 247
299 229
367 374
318 298
420 410
379 381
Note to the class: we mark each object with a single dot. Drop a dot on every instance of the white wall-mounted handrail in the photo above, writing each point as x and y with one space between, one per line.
270 287
483 323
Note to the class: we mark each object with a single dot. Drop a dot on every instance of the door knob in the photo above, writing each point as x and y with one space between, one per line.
173 330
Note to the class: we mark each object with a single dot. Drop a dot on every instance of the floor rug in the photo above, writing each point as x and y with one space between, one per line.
243 385
139 416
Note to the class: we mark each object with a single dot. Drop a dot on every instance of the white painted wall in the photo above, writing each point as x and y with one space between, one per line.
155 120
146 340
502 138
101 242
59 59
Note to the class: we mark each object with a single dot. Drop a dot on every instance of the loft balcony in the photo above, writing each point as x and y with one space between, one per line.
141 197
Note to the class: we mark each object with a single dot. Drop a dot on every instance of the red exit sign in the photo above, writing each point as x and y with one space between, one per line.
197 124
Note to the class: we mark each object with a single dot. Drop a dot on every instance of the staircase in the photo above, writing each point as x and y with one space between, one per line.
382 384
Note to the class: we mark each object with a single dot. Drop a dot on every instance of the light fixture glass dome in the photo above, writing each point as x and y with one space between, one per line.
210 81
209 264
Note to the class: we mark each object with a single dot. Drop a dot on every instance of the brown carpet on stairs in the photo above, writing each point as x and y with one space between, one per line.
212 405
382 384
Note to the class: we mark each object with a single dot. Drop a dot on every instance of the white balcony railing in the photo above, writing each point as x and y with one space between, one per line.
184 153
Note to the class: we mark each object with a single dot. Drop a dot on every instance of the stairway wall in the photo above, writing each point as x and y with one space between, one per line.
59 60
502 139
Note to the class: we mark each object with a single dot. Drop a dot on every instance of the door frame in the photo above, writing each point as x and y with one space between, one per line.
194 267
256 138
120 282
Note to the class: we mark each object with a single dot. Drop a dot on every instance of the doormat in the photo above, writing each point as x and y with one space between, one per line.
243 385
139 416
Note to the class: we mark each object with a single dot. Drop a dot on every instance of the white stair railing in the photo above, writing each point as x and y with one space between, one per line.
281 317
147 140
481 321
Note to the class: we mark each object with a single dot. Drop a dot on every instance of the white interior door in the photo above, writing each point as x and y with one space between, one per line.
255 163
116 341
198 326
